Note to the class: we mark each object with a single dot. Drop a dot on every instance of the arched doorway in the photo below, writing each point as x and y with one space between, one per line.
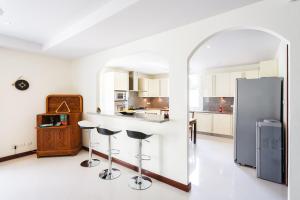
217 99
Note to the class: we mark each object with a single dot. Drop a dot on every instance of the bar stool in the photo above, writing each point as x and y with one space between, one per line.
140 182
110 173
89 126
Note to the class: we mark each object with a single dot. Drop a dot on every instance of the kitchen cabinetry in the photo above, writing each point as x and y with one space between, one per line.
204 122
233 77
214 123
143 87
153 87
222 85
164 87
251 74
208 85
121 81
268 68
222 124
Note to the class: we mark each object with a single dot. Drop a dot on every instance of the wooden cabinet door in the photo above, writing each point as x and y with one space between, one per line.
62 139
222 85
204 122
208 85
45 139
252 74
121 80
164 87
222 124
268 68
153 88
233 77
143 87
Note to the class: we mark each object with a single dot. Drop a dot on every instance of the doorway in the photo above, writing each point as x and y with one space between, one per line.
214 67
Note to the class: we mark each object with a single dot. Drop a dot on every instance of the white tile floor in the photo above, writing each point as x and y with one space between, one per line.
213 174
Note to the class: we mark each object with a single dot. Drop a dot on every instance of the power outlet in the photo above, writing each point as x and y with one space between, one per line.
14 147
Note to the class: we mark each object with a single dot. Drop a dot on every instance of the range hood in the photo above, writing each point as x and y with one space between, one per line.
133 81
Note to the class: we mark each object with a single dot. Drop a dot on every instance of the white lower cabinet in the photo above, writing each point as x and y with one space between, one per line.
214 123
204 122
222 124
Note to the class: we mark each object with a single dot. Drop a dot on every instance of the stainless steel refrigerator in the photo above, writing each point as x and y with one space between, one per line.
256 100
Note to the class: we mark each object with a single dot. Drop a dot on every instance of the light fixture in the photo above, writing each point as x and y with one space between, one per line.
208 46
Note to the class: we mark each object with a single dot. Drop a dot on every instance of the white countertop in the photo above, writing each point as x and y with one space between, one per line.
136 116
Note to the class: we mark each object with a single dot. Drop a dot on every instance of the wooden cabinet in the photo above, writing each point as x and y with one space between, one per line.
64 139
268 68
121 81
233 77
222 85
253 74
204 122
153 87
208 85
214 123
143 87
164 87
222 124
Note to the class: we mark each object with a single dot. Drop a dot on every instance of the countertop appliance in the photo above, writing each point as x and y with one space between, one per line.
121 95
256 99
270 150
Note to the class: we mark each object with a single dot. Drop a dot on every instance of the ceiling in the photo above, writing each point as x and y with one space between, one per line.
75 28
144 62
233 48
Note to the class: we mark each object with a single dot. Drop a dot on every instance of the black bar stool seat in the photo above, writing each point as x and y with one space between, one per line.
110 173
139 182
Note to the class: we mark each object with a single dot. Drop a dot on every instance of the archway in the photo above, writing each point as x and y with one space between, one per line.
284 72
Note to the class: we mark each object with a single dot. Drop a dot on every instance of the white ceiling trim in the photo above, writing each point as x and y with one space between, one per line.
109 9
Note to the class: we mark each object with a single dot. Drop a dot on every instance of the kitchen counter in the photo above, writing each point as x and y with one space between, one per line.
212 112
136 116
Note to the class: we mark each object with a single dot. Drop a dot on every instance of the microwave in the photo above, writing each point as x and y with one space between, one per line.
120 96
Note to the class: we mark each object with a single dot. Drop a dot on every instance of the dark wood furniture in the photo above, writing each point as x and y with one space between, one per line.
64 139
193 125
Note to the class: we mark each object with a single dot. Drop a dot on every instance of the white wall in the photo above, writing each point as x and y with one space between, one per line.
280 16
19 108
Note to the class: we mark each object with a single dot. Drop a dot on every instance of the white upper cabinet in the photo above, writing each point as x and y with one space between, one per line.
268 68
121 80
164 87
143 87
233 77
208 85
153 88
223 85
253 74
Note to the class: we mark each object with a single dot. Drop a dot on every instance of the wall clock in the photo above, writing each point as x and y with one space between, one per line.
21 84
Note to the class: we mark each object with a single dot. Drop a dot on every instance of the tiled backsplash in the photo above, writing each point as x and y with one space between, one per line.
213 103
150 102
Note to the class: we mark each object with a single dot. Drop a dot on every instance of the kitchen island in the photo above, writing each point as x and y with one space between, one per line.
161 146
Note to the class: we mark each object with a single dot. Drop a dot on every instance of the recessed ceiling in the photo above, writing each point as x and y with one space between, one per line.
75 28
233 48
144 62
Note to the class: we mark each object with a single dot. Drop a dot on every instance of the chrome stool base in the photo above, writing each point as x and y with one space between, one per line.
143 184
88 163
115 173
